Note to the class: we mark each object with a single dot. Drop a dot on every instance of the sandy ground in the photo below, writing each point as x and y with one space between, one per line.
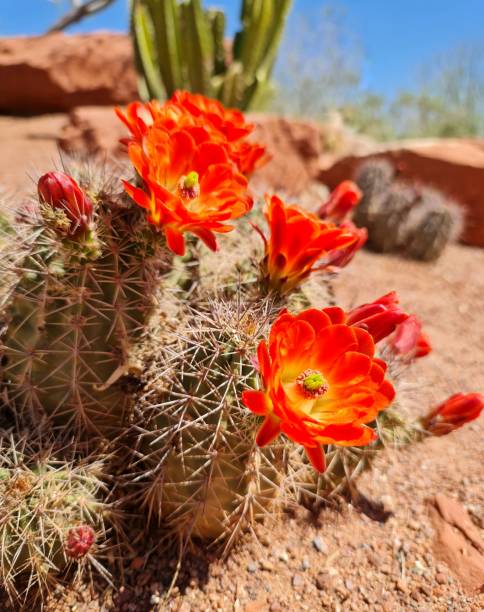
344 560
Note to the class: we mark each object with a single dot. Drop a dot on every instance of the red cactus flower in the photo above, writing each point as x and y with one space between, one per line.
79 541
321 383
189 187
341 202
342 257
455 412
61 192
409 341
379 318
298 240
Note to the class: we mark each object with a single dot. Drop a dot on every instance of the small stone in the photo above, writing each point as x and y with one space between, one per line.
282 556
266 565
305 565
342 592
349 585
275 607
297 581
441 578
401 585
418 568
155 599
320 545
252 567
324 582
415 594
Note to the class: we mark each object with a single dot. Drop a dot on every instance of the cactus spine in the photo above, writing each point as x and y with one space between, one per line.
77 308
50 515
204 475
180 45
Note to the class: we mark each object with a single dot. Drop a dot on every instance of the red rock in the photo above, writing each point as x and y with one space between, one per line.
295 147
453 166
58 72
458 542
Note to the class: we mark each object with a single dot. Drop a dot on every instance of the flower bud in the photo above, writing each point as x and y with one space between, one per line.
455 412
62 193
409 340
379 318
79 541
341 202
342 257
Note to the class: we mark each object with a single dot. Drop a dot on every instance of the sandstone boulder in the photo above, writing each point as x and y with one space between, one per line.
58 72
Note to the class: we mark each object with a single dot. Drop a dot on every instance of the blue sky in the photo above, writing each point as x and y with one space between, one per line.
397 37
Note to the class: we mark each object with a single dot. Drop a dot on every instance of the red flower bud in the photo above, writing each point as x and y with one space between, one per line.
380 317
341 202
60 191
79 541
342 257
409 340
457 410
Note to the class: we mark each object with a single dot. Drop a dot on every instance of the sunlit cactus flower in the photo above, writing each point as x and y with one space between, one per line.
455 412
79 541
341 202
61 192
380 318
205 119
321 383
188 187
299 243
409 341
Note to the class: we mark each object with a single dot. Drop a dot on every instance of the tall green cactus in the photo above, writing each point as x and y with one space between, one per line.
179 45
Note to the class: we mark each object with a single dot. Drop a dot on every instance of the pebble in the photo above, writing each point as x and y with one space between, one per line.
320 545
281 555
155 599
266 565
401 585
324 582
297 581
252 567
305 564
441 578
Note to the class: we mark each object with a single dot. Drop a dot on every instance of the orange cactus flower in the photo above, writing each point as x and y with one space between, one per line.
455 412
321 383
205 119
298 241
190 187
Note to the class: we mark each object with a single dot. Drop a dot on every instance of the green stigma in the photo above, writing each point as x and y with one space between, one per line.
314 381
191 180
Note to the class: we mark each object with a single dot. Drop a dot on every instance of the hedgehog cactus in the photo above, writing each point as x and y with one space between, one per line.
87 272
205 475
50 514
418 221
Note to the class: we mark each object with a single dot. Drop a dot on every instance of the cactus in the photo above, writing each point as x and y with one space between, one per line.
79 303
51 517
387 222
204 475
431 226
374 177
417 221
181 45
